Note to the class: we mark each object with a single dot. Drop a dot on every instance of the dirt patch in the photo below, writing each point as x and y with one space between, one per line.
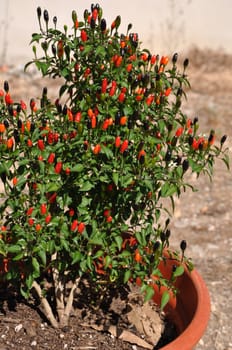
203 219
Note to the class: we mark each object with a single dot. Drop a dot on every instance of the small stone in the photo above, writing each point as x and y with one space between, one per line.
34 343
18 327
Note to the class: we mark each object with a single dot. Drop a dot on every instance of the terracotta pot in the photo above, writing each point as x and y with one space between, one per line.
189 311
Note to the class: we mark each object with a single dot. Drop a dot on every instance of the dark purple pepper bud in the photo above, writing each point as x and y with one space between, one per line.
92 23
6 123
156 246
86 14
46 16
117 118
142 159
39 12
32 127
55 21
103 25
19 108
11 110
54 49
186 63
16 136
175 58
65 110
19 123
174 267
168 156
163 237
195 120
185 165
223 139
92 7
168 234
6 86
183 245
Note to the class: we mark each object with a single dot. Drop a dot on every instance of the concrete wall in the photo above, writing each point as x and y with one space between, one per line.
164 26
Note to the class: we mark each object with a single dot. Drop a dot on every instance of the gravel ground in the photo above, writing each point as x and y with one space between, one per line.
204 218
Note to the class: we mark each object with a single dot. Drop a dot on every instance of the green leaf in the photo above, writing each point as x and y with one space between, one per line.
14 248
76 257
168 189
35 265
149 293
127 275
119 240
86 186
52 187
42 255
165 299
115 178
42 66
77 168
179 271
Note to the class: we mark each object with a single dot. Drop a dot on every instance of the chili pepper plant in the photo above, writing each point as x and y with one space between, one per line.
86 177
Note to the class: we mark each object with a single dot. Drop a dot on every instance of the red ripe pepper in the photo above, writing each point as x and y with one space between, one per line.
164 60
149 99
97 149
153 59
113 88
117 141
129 67
51 158
104 85
84 36
31 221
58 167
121 97
77 117
30 211
48 218
33 105
167 91
118 61
93 122
105 124
60 49
124 146
40 145
81 227
95 14
123 120
74 225
87 72
23 105
8 99
43 209
179 132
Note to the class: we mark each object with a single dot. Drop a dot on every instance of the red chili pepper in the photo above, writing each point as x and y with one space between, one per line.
118 61
74 225
48 218
31 221
153 59
77 117
87 72
8 99
117 141
23 105
164 60
51 158
38 227
124 146
109 218
97 149
29 143
167 91
142 153
40 145
104 85
84 36
30 211
149 99
93 122
43 209
60 49
81 227
129 67
33 105
106 213
105 124
58 167
113 88
15 181
123 120
121 97
179 132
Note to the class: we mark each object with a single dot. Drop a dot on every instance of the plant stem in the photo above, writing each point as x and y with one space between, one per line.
47 308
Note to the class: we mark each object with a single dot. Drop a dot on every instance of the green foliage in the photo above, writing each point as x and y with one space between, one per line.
84 181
